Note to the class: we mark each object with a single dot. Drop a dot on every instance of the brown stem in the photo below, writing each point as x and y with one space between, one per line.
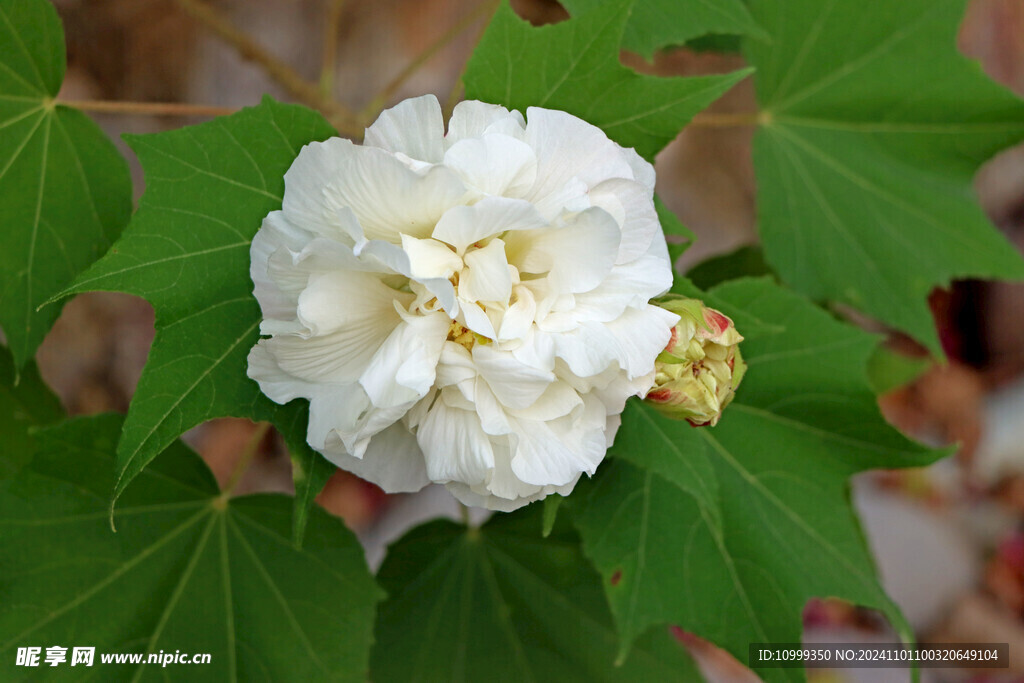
150 108
385 95
288 78
335 9
456 92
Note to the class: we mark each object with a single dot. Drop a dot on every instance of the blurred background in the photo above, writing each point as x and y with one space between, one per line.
949 540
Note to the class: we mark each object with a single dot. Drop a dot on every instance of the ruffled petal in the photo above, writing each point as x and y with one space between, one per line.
393 460
454 445
515 384
344 414
275 383
277 296
347 299
471 119
386 196
462 226
429 258
413 127
519 317
643 171
632 206
403 369
632 341
339 357
627 286
576 257
556 452
475 319
569 148
486 277
497 165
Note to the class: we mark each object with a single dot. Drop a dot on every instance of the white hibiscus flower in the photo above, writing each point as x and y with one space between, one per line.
468 309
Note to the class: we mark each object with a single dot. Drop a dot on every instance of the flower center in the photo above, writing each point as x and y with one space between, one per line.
460 335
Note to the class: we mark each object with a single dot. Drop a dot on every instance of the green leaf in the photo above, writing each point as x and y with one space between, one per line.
310 470
728 531
65 192
500 603
188 570
25 402
889 370
679 237
574 66
743 262
654 24
871 131
186 250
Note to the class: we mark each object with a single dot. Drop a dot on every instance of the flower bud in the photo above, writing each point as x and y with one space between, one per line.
697 374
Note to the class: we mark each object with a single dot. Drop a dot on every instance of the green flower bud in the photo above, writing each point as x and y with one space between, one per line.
697 374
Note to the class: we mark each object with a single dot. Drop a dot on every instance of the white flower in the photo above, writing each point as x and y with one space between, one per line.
468 309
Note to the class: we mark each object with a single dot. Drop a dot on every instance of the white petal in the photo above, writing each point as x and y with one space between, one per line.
277 296
632 205
572 197
275 383
455 365
576 257
386 196
339 357
474 498
553 453
520 314
486 277
558 400
494 164
403 369
629 285
567 148
474 318
393 460
347 299
515 384
643 171
454 445
471 119
429 258
395 259
493 416
462 226
642 334
537 350
413 127
335 409
632 341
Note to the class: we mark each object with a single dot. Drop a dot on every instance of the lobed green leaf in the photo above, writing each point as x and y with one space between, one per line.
186 250
574 66
188 570
65 192
728 531
871 130
654 24
501 603
25 403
